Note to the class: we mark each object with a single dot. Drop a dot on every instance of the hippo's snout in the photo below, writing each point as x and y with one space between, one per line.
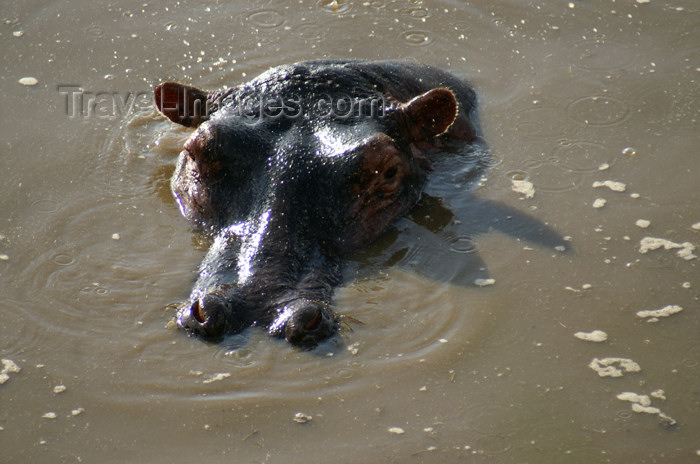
302 322
248 280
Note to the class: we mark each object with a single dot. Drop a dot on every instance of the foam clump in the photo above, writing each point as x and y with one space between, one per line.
613 367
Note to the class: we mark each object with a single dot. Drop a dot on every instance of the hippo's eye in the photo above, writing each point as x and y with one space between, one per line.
391 173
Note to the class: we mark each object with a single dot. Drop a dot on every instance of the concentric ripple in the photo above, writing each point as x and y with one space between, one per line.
585 157
552 176
266 19
541 122
602 54
417 38
598 110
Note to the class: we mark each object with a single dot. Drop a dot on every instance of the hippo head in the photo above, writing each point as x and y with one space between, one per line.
285 193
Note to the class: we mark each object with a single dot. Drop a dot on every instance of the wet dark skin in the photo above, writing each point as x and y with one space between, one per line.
288 181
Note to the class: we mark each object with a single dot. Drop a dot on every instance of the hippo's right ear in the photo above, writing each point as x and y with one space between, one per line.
430 114
183 104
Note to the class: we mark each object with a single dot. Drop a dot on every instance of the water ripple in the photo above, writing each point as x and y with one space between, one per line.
416 12
585 157
397 330
461 244
552 176
541 122
417 38
601 54
492 445
267 19
461 26
94 30
21 330
598 110
334 6
308 31
46 206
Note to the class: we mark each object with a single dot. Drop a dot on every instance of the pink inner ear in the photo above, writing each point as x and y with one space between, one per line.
431 113
166 96
181 103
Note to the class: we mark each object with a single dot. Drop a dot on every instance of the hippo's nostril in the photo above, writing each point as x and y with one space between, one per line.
207 315
315 321
198 312
306 322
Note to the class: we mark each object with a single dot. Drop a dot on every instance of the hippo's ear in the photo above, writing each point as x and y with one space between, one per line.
430 114
183 104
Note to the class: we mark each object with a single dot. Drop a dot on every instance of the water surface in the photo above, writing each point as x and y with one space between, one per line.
93 248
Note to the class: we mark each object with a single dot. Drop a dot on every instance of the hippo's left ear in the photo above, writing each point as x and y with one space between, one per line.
430 114
183 104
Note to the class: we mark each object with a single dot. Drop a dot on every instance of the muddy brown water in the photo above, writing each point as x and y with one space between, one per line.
442 370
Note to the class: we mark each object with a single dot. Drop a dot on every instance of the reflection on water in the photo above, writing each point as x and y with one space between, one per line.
94 249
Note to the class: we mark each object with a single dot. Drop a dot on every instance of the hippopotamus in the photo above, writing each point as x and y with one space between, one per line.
295 169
